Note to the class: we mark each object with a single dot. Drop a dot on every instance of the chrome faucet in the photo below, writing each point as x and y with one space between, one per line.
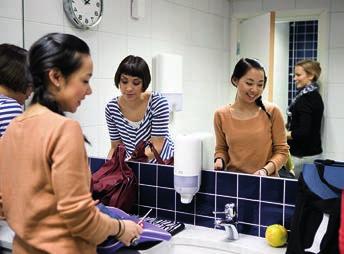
229 222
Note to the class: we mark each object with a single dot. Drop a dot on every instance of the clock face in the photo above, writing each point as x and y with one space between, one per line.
84 13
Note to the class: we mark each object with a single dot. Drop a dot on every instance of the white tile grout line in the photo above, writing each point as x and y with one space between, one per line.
138 187
215 208
156 190
260 205
283 213
194 212
237 196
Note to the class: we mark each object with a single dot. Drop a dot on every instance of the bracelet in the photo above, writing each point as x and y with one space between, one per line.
223 162
123 230
266 171
119 227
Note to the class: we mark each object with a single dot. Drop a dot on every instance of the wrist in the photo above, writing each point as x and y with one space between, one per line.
117 228
222 160
265 171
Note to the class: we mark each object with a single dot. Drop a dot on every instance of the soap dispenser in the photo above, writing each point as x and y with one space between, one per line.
187 166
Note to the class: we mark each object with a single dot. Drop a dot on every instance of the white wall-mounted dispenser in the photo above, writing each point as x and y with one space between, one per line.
168 79
208 147
138 9
187 166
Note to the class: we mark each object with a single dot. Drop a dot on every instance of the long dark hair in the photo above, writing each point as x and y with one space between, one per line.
240 70
54 50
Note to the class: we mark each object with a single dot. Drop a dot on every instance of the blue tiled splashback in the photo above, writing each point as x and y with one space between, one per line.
260 201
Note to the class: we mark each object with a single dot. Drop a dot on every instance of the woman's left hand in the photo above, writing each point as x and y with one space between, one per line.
260 172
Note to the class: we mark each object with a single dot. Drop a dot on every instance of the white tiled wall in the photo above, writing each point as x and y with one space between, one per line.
193 28
333 96
196 29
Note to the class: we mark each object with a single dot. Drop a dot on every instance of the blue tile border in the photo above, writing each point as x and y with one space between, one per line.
272 190
226 184
165 176
271 214
259 201
96 163
148 174
249 186
207 182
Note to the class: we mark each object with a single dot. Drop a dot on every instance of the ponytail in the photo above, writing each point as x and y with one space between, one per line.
260 104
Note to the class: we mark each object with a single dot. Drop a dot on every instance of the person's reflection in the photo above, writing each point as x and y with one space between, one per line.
250 134
136 114
15 83
305 115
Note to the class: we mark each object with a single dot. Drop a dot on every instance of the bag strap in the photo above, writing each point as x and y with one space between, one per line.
120 156
331 173
316 184
155 153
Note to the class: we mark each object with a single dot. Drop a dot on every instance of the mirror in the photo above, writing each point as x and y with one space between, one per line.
206 37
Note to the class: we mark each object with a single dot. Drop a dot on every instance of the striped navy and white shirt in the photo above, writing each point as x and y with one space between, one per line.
154 123
9 109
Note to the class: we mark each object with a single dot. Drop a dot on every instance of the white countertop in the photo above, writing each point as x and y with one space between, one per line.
195 239
192 238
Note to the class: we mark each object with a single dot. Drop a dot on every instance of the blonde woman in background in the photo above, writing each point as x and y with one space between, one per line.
305 115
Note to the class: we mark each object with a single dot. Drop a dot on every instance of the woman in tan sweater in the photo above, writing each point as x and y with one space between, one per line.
250 134
45 178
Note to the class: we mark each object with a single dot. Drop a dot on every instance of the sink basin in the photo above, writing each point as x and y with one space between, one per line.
196 240
185 246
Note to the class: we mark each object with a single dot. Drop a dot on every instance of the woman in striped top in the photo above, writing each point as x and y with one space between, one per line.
137 114
15 84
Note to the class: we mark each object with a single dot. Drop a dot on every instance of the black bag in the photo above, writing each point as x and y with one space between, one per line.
316 219
285 173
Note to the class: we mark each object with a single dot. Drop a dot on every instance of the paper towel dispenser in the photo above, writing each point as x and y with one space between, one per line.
168 79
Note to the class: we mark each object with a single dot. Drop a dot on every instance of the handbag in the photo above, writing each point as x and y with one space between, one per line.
284 172
139 153
287 170
115 183
316 219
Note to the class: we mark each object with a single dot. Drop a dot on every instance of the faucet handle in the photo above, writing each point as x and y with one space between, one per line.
230 211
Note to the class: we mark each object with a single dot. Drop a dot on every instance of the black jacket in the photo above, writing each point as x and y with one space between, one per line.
305 125
307 218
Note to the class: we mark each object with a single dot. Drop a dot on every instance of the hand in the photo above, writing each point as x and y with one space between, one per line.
260 172
218 165
132 230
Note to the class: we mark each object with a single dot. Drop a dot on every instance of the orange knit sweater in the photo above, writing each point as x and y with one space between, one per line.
248 145
45 182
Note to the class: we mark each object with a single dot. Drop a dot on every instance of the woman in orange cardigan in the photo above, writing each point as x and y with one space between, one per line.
250 134
45 178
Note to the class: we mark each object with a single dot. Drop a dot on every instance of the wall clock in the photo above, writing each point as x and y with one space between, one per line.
84 13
